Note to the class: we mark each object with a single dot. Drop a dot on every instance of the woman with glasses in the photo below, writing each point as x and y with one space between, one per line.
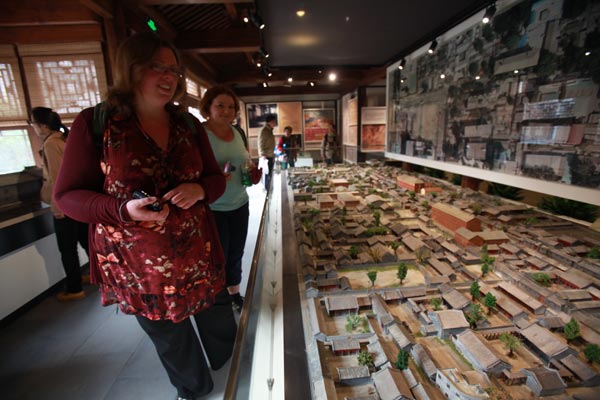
146 186
49 127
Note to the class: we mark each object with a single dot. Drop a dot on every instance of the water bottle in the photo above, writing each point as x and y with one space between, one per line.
246 179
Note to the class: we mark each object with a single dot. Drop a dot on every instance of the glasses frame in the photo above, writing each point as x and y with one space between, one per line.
162 69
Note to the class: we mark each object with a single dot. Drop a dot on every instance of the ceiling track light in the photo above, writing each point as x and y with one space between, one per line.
489 13
311 83
257 21
263 52
402 64
433 46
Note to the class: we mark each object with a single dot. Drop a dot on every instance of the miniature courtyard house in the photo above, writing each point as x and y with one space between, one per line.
543 381
448 322
479 354
463 386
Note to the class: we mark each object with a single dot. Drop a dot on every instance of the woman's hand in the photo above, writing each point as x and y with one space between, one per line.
138 212
185 195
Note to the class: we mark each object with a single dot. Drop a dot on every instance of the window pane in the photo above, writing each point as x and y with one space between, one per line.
11 104
16 151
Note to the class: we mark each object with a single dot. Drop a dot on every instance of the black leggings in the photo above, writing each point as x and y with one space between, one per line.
180 351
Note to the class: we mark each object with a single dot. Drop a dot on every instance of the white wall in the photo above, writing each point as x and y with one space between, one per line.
27 272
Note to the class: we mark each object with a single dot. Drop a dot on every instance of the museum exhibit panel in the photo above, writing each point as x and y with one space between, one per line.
451 250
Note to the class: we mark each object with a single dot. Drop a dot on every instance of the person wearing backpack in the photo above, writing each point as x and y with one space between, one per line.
220 106
145 187
48 126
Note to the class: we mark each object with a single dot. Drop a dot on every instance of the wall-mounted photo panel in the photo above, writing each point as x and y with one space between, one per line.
518 96
317 122
256 114
290 114
373 125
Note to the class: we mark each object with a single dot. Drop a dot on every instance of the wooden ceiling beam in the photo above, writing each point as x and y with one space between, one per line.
51 34
166 29
101 7
190 2
256 75
293 90
232 40
42 12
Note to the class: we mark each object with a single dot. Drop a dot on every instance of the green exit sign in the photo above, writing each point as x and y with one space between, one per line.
151 24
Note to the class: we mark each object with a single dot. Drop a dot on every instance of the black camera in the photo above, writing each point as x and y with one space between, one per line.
140 194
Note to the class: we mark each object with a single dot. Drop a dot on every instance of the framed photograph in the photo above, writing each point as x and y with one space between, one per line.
256 115
372 130
317 123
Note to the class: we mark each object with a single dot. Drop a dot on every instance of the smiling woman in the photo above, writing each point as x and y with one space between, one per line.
166 265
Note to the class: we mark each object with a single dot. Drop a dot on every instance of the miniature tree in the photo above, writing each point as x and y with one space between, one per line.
475 289
352 321
490 301
477 208
436 302
592 353
376 218
365 359
375 254
402 272
402 359
411 194
485 268
511 342
594 253
473 315
421 254
353 252
394 245
486 260
572 330
372 277
541 279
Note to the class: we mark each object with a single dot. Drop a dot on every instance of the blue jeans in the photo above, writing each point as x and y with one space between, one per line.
233 229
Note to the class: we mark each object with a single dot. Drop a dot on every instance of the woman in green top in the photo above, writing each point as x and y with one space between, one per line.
220 106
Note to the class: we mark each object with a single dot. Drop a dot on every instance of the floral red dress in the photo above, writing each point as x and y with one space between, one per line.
162 271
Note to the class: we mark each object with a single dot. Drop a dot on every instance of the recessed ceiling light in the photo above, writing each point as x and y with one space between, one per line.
311 83
269 74
442 76
320 71
300 13
290 79
587 53
265 84
516 71
258 64
332 76
347 19
477 78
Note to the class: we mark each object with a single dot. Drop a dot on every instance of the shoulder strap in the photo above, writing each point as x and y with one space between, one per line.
242 134
99 123
187 117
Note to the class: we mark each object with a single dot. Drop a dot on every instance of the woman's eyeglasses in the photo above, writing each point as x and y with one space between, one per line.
161 69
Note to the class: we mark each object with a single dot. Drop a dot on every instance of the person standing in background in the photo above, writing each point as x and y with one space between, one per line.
266 146
287 146
220 106
145 182
48 126
328 145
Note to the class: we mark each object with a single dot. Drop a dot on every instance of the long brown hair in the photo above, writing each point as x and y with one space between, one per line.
133 55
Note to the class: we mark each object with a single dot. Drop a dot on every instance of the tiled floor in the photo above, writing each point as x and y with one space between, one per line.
82 351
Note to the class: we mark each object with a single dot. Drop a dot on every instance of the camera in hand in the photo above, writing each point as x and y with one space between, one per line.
140 194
